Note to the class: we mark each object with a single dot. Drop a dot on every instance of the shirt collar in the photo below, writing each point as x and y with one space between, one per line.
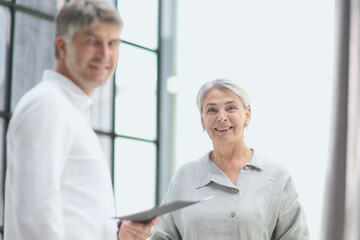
209 172
203 170
81 100
256 161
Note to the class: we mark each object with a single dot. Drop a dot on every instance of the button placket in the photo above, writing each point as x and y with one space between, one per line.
235 191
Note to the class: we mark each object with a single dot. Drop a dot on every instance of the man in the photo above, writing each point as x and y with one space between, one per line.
58 184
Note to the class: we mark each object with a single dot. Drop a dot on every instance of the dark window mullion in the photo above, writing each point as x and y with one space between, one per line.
7 100
9 65
139 46
113 134
158 114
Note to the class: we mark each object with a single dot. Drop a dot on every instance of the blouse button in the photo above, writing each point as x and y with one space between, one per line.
232 214
236 190
246 167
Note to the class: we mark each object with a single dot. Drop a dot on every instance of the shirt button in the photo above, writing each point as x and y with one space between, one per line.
246 167
232 214
236 190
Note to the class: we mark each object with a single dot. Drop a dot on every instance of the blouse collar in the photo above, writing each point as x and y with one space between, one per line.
209 172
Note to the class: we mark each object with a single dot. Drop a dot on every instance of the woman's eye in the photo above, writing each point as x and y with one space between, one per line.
232 108
211 110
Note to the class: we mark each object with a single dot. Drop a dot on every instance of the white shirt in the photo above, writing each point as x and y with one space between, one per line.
58 184
262 205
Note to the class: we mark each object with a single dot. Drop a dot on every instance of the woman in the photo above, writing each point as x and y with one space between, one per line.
254 198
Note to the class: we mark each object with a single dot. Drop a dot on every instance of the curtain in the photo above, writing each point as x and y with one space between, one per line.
341 218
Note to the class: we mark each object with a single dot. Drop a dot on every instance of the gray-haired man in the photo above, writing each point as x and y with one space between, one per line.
58 184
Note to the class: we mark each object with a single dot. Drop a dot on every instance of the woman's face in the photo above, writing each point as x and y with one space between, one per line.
224 116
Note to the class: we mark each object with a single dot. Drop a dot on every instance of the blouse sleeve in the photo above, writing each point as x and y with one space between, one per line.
291 222
166 229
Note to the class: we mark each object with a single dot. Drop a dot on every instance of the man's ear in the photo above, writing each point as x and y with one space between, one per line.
60 44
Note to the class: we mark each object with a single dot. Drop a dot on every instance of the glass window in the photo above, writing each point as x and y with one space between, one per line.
47 6
135 171
106 145
135 102
4 43
101 110
33 53
140 21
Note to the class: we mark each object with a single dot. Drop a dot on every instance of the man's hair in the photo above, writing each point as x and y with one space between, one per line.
78 15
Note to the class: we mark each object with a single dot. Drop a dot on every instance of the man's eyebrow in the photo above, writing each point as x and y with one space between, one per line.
88 32
91 34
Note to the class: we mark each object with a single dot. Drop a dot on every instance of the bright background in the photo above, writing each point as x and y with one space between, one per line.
281 53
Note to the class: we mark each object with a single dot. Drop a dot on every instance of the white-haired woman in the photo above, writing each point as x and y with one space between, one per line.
254 198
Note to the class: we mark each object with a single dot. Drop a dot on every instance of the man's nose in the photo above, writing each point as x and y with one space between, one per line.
103 50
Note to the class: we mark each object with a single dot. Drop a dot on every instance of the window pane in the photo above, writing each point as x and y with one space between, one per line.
4 43
135 173
33 52
135 102
106 145
101 110
141 21
47 6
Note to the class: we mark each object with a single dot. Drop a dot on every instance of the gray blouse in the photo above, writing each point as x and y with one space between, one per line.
262 205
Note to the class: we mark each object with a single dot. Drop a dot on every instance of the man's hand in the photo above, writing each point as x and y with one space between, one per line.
136 231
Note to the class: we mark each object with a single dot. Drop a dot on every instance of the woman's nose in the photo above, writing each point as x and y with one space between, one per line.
221 116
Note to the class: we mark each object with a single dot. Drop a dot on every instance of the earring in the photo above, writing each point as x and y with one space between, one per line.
204 129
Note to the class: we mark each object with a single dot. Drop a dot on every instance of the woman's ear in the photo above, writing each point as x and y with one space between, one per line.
247 115
202 122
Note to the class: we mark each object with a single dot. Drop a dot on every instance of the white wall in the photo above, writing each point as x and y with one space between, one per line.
281 52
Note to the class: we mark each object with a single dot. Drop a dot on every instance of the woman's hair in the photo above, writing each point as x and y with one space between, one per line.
77 15
218 84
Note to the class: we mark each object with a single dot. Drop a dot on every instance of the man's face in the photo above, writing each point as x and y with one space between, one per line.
91 57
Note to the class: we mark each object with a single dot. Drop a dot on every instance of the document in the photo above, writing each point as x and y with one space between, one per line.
160 210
